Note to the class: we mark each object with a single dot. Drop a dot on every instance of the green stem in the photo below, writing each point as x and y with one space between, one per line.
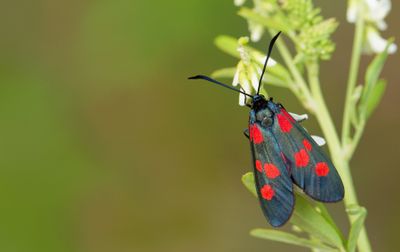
300 88
356 139
342 165
351 83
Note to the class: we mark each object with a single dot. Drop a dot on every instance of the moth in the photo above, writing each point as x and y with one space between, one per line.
284 154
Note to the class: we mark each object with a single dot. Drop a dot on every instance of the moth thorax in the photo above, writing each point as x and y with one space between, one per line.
264 116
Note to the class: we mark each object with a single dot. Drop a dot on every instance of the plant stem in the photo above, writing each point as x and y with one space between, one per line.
304 95
351 83
342 165
356 138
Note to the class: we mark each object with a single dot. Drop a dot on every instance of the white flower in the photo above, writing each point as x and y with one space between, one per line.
248 70
375 43
352 11
248 77
373 11
377 10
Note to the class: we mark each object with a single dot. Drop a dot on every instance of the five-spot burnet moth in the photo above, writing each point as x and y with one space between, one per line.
284 154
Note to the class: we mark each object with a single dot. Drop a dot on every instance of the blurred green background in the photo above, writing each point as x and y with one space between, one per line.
105 146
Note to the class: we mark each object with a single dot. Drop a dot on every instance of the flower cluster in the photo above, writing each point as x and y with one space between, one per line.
248 70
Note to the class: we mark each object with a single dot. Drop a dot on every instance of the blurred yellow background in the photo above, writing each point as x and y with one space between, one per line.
105 145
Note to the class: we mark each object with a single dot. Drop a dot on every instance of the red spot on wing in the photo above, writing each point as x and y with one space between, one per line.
255 134
301 158
271 171
288 115
284 123
267 192
321 169
258 165
307 144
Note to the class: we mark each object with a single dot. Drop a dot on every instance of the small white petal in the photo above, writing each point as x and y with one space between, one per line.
374 11
377 10
239 2
235 81
378 44
242 99
319 140
253 77
261 60
256 31
352 12
246 87
299 118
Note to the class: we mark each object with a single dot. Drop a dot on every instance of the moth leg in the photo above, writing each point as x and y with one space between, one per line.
246 133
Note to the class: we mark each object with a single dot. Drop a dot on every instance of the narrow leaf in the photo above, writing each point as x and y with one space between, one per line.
375 97
356 228
227 44
280 236
375 67
224 73
268 79
249 183
326 215
307 218
371 79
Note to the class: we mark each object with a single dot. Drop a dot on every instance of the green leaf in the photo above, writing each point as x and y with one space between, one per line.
371 80
249 183
227 44
321 208
307 218
228 72
279 72
375 67
274 81
375 97
271 22
280 236
356 227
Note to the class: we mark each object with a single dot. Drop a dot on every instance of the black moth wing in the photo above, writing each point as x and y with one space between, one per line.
272 179
310 167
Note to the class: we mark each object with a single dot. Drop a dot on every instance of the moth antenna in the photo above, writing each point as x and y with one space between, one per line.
203 77
271 45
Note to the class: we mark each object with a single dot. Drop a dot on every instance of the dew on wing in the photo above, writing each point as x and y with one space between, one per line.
321 169
301 158
258 165
307 144
267 192
271 171
284 123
